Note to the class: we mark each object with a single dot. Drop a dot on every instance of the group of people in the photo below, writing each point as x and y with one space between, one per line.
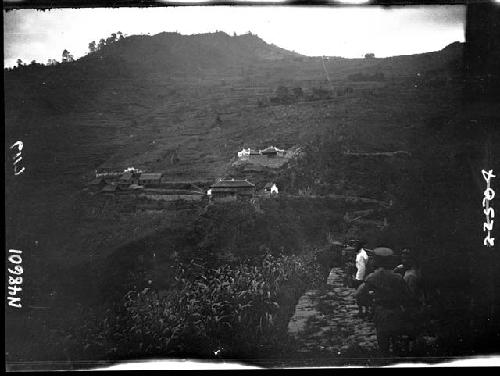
390 294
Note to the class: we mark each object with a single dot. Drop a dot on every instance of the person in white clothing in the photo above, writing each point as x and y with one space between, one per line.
364 302
361 260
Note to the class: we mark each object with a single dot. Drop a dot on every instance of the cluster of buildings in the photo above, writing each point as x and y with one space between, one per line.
224 190
232 190
133 180
129 179
270 152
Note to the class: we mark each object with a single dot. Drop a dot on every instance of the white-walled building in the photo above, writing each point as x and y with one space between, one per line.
246 153
273 151
271 189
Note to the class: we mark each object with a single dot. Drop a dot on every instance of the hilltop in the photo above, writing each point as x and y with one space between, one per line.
184 105
185 92
174 52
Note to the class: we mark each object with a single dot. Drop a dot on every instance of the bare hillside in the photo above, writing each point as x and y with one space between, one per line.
183 106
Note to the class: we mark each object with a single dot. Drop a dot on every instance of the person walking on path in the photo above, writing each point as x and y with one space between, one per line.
390 299
415 311
361 260
363 300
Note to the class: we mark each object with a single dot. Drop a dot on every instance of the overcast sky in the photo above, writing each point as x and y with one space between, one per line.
347 31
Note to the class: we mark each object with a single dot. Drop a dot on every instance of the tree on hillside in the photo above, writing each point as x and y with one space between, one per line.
65 55
92 46
369 55
120 35
101 44
111 39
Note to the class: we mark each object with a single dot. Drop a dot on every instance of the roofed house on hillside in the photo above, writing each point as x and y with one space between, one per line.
247 153
231 190
150 178
272 152
128 178
106 172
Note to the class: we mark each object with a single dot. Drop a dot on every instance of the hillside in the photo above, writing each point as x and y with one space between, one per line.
173 52
179 91
184 106
201 98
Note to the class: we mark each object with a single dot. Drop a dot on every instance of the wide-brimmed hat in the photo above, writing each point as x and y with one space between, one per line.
383 251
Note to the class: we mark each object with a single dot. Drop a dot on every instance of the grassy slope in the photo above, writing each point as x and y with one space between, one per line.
111 111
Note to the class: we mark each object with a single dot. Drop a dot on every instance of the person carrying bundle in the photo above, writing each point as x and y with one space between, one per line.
390 299
414 313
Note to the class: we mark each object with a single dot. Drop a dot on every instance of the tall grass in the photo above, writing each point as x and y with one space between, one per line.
228 311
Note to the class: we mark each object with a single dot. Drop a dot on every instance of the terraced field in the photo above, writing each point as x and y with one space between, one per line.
189 124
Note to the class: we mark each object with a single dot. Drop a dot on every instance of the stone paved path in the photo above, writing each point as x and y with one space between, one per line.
326 321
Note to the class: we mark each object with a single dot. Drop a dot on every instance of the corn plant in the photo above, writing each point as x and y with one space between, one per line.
208 309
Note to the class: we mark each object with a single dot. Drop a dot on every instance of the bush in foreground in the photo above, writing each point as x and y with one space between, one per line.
229 311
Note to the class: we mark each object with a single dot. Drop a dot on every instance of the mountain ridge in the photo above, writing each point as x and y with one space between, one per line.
178 52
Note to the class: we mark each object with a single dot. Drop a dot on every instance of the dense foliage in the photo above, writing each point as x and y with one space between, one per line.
282 224
225 311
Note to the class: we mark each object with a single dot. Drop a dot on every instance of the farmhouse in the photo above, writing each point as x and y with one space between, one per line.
272 152
150 178
231 190
271 189
247 153
106 172
128 178
244 153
